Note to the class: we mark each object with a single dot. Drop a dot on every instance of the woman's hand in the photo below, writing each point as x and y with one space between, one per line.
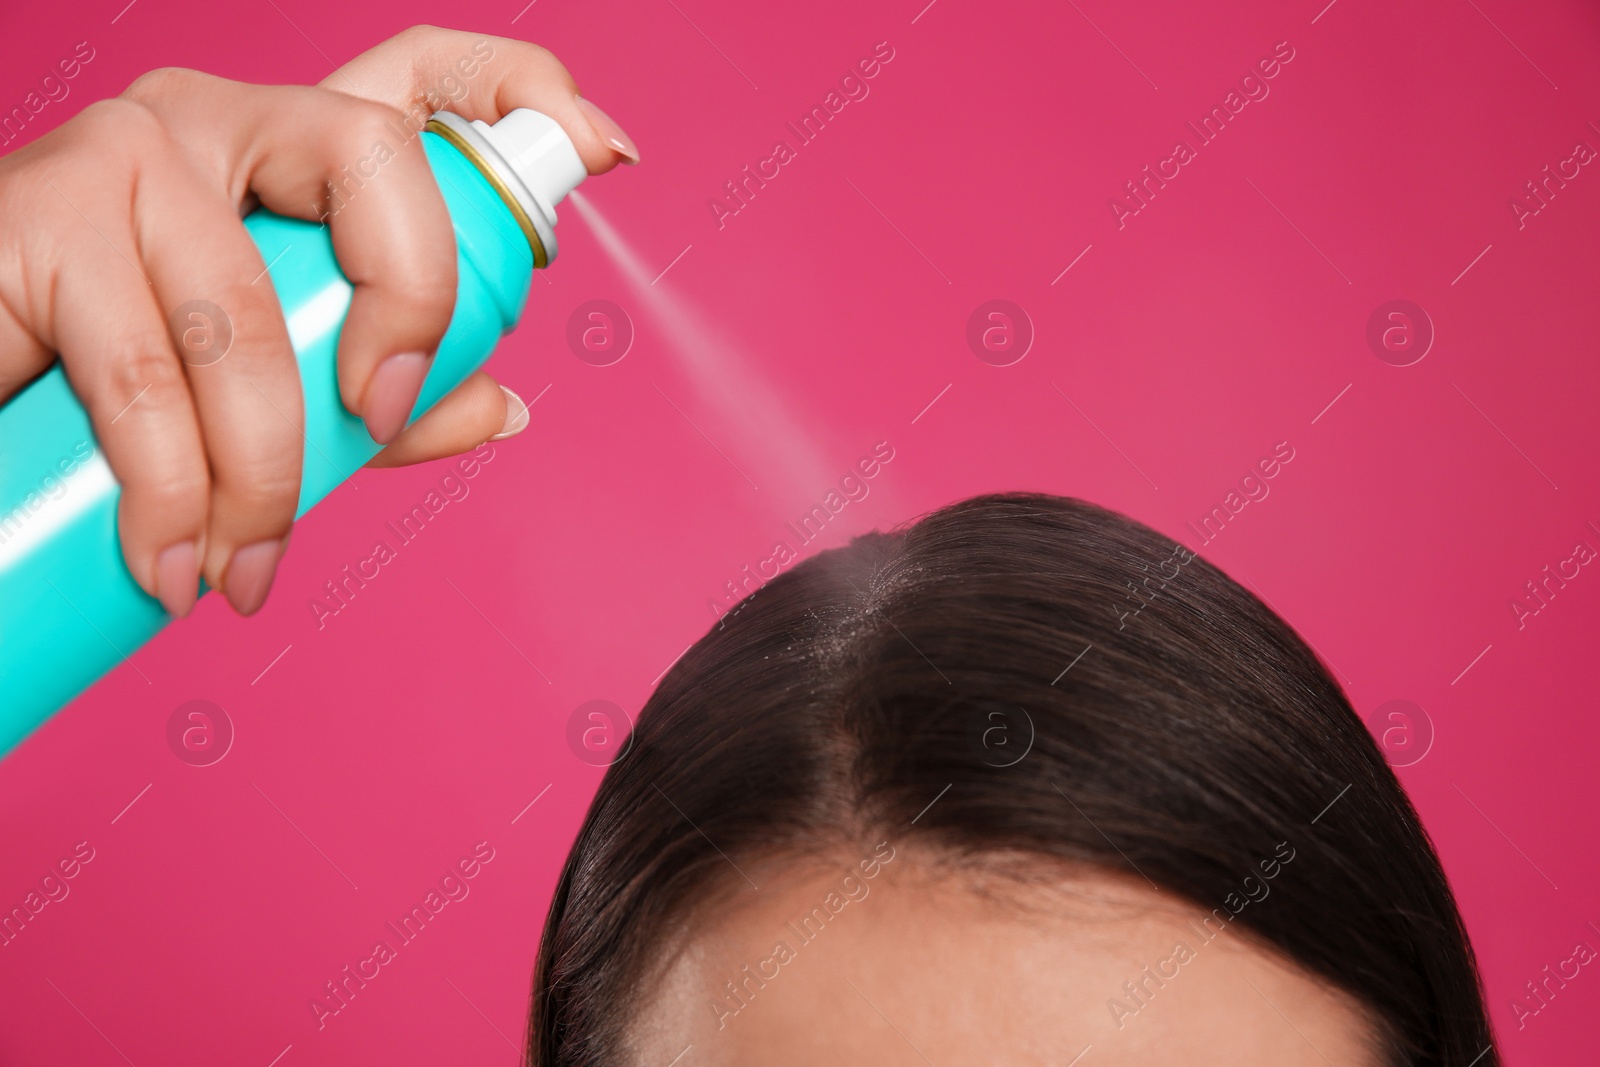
133 208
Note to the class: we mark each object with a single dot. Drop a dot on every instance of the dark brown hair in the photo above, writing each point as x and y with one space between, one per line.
1170 722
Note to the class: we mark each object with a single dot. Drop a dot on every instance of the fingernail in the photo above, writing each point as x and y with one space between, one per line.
392 394
606 128
250 575
516 416
178 578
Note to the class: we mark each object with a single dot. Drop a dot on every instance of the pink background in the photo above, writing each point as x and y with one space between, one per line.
372 754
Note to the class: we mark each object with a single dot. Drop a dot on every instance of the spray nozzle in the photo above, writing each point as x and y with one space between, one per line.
530 160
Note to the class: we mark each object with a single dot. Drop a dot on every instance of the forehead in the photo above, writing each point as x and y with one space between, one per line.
913 967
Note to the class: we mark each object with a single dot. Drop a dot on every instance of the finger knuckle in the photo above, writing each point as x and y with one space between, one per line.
366 139
117 121
429 300
25 181
164 83
539 53
528 54
178 490
369 122
263 491
421 33
144 368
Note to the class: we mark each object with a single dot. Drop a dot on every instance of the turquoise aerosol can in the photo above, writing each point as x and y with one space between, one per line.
70 610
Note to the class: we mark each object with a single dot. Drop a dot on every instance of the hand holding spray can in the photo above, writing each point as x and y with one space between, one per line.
70 611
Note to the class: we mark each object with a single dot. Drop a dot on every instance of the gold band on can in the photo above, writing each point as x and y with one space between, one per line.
540 258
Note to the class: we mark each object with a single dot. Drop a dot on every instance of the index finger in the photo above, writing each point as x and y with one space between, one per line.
427 69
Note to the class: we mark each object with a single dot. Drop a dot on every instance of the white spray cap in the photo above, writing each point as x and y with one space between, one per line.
535 159
540 152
